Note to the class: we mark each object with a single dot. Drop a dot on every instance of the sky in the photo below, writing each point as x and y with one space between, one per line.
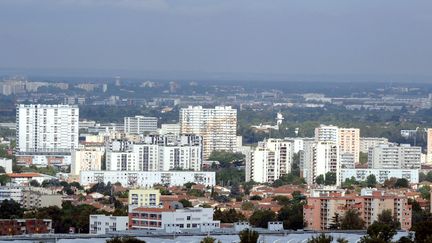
261 38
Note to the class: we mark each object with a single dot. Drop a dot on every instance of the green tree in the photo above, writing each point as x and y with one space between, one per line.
4 179
289 179
402 182
260 218
335 225
351 220
225 158
34 183
256 198
9 209
189 185
229 176
330 178
196 193
235 190
386 217
282 200
248 236
209 239
322 238
423 232
319 180
425 192
363 158
124 239
247 206
186 203
371 180
383 229
228 216
292 216
406 239
206 205
342 240
379 232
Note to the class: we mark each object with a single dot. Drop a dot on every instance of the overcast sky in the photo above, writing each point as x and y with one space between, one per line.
313 37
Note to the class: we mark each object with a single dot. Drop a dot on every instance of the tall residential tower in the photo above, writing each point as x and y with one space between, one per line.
217 127
46 134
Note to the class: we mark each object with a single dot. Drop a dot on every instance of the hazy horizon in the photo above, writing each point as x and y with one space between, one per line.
281 40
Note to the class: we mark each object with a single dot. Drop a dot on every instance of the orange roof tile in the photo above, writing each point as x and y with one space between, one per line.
18 175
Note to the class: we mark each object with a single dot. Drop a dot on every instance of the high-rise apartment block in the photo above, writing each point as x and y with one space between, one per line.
368 142
217 127
429 146
157 153
87 157
349 142
270 160
140 124
169 128
325 133
319 158
392 156
46 134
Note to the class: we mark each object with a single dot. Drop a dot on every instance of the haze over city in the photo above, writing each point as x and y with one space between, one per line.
204 121
283 40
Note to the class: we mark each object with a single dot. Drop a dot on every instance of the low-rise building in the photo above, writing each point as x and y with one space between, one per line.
25 226
31 197
275 225
102 224
320 211
6 164
34 197
23 179
380 174
148 179
11 193
173 220
144 198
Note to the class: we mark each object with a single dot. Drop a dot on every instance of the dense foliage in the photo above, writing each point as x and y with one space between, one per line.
228 216
248 236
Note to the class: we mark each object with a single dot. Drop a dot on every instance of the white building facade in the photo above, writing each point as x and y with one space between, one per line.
174 221
325 133
370 142
46 131
271 159
148 179
157 153
380 174
392 156
102 224
318 158
6 164
140 124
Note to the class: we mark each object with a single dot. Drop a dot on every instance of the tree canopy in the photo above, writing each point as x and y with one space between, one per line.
351 220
